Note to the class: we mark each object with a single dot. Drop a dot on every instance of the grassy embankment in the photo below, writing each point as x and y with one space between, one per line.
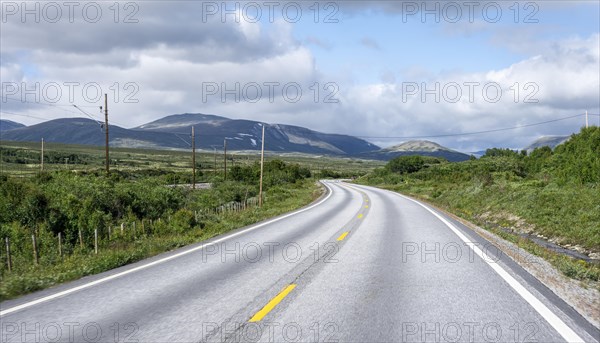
156 218
550 194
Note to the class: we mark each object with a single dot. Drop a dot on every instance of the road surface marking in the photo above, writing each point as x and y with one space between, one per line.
563 329
271 305
360 216
343 235
133 270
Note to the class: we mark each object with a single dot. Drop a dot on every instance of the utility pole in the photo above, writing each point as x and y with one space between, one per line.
42 158
586 119
225 159
215 165
106 130
193 159
262 162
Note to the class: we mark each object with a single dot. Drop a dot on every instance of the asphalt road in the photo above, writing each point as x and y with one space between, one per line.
360 265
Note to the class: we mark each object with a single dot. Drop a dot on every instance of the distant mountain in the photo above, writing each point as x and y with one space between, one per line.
478 154
182 121
411 146
550 141
88 132
173 132
246 135
6 125
418 147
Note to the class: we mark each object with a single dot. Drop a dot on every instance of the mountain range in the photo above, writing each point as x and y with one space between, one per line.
246 135
425 148
550 141
174 132
6 125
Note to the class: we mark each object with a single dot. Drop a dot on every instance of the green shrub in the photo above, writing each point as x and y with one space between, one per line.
554 193
405 164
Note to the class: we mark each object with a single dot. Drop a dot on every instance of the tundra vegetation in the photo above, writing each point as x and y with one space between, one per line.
552 194
133 213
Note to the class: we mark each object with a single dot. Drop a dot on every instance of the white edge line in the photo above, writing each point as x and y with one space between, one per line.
560 326
114 276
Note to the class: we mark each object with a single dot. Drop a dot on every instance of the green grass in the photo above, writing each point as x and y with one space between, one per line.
71 197
564 214
568 215
128 159
552 194
27 277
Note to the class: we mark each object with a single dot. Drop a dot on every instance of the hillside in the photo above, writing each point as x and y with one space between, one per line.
173 132
6 125
418 147
182 121
547 200
549 141
88 132
246 135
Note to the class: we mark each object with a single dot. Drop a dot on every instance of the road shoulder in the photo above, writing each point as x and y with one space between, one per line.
583 298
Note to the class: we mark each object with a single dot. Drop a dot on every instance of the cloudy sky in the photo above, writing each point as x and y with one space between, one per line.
383 70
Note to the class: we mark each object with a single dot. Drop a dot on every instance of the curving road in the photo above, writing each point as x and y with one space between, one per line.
360 265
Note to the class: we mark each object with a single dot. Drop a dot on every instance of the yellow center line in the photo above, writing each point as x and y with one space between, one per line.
271 305
360 216
343 235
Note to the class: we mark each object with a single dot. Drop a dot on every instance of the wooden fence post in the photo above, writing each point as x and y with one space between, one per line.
35 251
80 239
60 244
8 257
96 241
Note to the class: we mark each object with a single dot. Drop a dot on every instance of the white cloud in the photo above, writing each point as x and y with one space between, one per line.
565 82
169 57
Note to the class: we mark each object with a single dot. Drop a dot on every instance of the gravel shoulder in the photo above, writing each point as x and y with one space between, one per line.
584 297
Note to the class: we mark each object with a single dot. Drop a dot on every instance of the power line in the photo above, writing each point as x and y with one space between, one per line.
22 115
42 103
180 134
474 133
46 119
430 136
87 114
96 119
177 135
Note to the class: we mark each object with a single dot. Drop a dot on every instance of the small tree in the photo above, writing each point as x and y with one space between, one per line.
406 164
